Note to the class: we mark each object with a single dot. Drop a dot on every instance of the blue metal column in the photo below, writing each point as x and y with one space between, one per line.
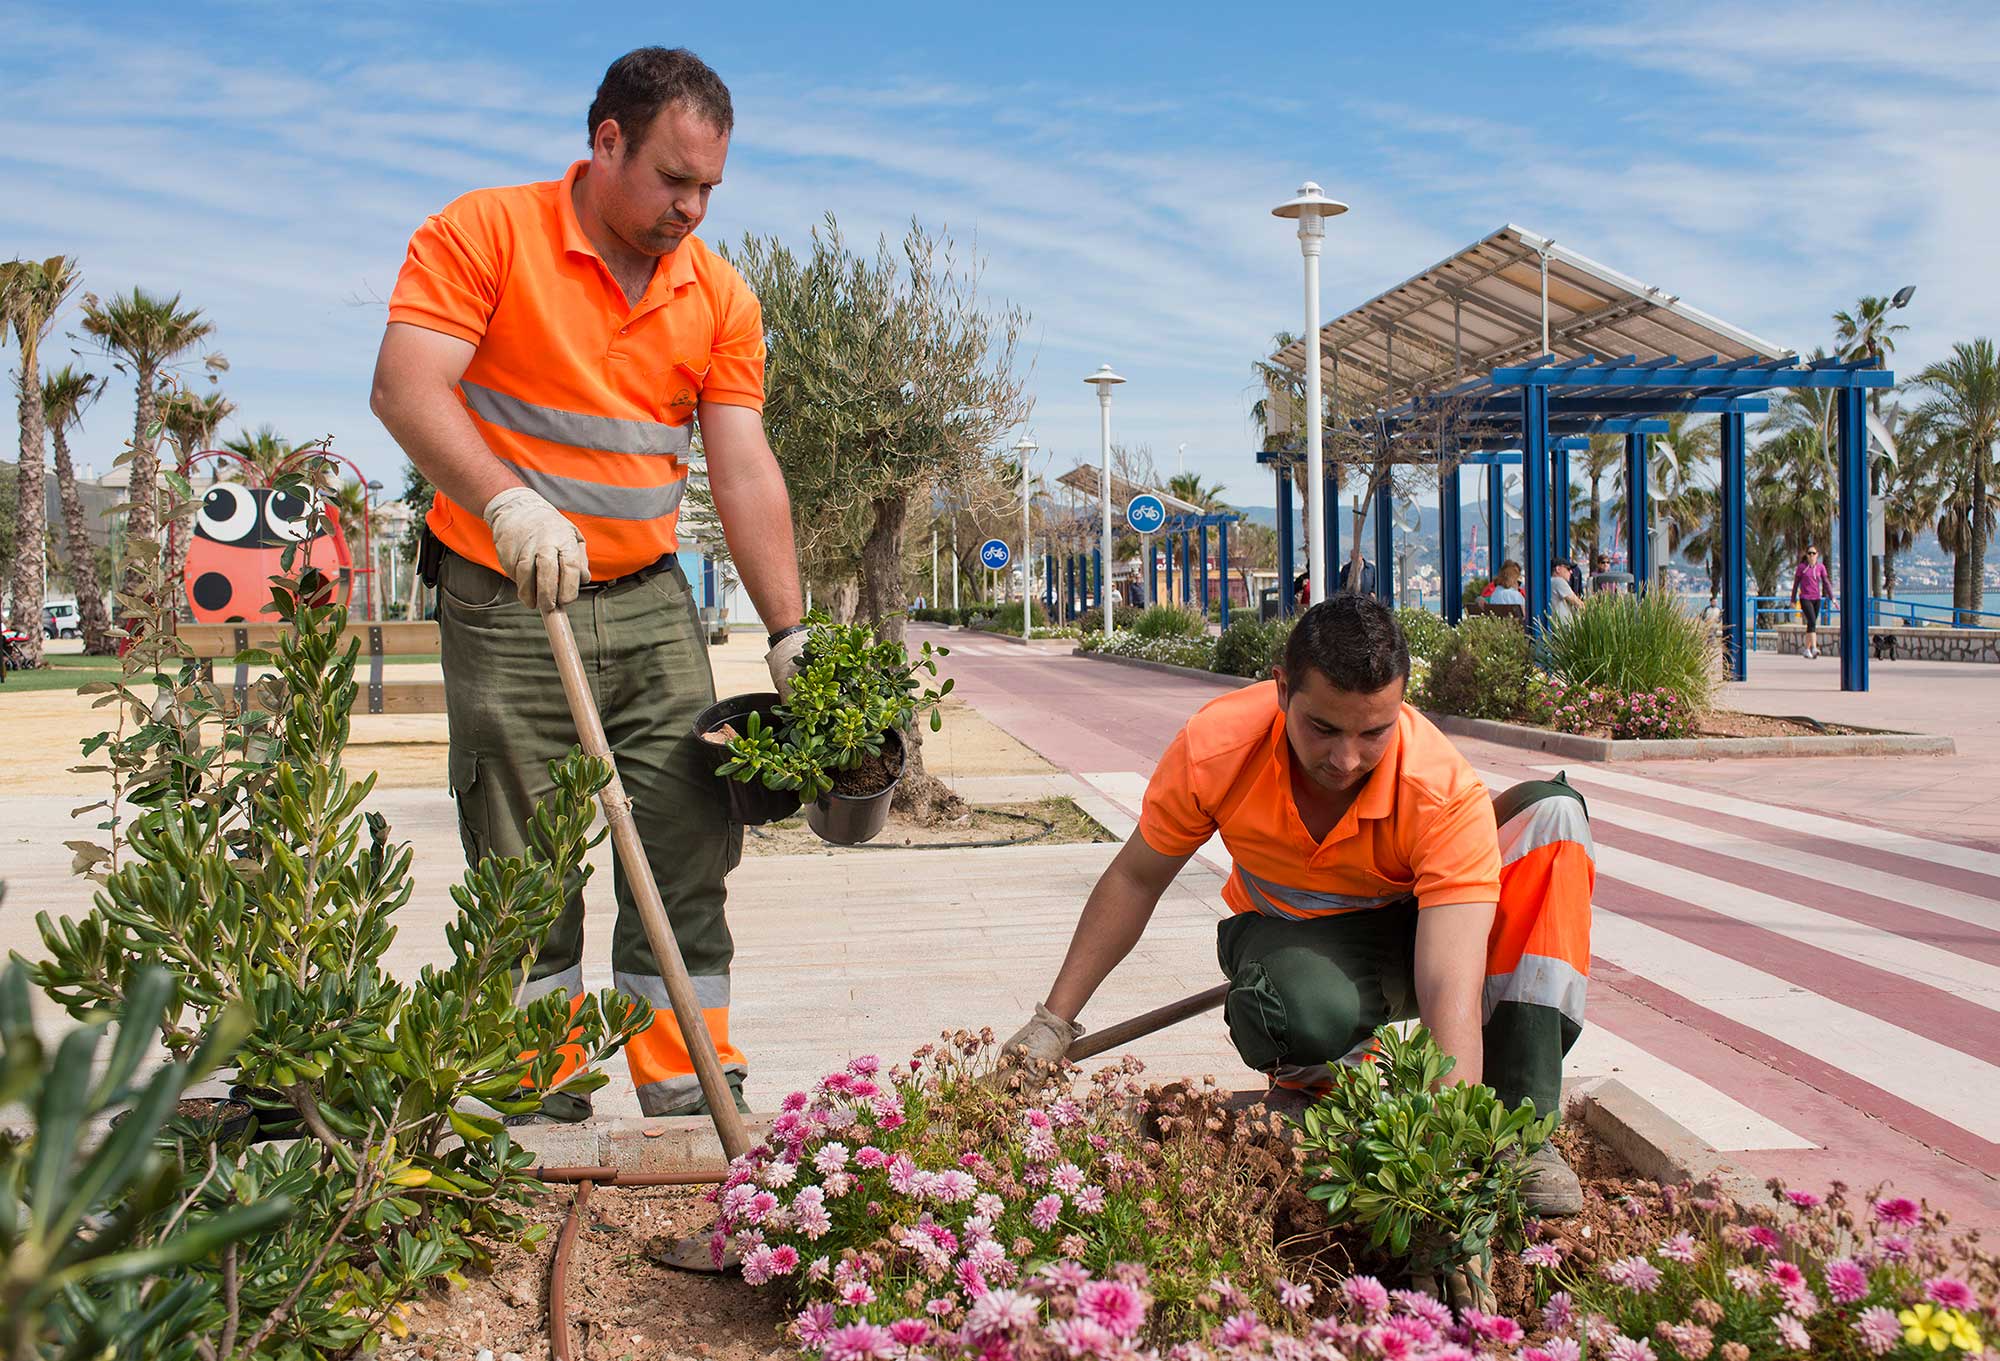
1451 542
1222 552
1639 509
1385 541
1331 486
1286 567
1187 568
1152 571
1203 568
1097 567
1735 556
1559 497
708 581
1049 582
1535 501
1496 519
1853 539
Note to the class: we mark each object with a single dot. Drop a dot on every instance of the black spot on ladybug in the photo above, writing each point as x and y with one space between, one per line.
212 590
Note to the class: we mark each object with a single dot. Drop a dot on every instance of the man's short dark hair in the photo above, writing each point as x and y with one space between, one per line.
646 80
1353 640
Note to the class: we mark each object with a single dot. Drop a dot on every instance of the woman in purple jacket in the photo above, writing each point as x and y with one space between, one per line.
1811 586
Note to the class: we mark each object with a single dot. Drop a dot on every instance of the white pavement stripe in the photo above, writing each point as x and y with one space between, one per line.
1718 1119
1954 1086
1945 902
1943 969
1127 789
1793 819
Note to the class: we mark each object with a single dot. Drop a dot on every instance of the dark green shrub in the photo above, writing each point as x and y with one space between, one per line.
1423 631
1250 648
1480 671
1169 621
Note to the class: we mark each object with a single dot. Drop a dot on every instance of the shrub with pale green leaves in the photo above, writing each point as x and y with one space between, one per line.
1423 631
1480 671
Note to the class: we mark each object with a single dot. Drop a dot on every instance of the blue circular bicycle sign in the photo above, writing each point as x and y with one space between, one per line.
1146 514
995 553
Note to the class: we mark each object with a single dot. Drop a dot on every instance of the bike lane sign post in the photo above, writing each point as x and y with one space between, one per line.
1145 514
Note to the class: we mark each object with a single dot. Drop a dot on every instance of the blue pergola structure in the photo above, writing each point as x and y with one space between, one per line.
1190 529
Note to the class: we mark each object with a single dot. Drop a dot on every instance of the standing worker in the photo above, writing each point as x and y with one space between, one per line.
1369 884
551 348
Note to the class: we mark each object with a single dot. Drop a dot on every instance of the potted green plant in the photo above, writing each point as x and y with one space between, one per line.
836 741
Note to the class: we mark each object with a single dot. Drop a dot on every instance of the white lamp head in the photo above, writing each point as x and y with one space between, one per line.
1104 379
1311 208
1025 446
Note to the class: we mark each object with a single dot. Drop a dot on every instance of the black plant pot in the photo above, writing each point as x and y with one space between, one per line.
751 804
845 820
200 1120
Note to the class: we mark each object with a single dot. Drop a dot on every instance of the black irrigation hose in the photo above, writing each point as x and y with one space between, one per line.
1047 828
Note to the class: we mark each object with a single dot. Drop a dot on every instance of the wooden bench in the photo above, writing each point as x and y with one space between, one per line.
211 643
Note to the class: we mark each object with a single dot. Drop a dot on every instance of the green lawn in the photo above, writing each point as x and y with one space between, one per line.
66 672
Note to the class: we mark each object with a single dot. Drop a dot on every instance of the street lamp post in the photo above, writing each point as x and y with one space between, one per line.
1104 380
1311 208
1022 450
374 561
1901 299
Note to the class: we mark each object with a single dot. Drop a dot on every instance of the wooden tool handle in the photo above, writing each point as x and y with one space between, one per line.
1159 1018
652 912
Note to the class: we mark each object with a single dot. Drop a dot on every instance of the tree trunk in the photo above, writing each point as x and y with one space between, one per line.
919 794
1975 583
31 535
96 624
142 487
1596 510
1889 574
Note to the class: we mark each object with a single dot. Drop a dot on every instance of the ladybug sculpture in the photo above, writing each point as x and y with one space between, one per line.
239 543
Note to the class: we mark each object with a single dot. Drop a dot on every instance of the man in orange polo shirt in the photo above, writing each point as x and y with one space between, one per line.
1370 883
551 348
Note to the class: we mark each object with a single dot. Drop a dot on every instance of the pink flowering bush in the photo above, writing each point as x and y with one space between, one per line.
927 1202
1815 1276
1599 711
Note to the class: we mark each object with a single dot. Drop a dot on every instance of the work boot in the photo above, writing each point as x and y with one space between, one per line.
558 1108
1552 1191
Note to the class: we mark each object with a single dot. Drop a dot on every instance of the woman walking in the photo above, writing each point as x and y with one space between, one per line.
1810 587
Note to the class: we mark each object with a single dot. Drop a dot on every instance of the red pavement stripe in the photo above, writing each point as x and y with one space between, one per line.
1932 1130
1884 914
1955 1022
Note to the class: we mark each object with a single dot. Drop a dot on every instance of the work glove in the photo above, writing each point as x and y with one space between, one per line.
538 547
785 659
1046 1037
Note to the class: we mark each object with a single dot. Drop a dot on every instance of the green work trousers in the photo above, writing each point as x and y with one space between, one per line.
641 642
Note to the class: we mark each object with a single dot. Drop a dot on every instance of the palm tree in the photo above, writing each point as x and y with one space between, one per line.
1802 462
264 449
1909 492
1867 333
1672 480
151 334
66 395
1960 421
189 422
31 294
1189 487
1606 452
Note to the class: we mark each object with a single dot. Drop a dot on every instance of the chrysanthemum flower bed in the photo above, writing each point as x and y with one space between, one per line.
922 1212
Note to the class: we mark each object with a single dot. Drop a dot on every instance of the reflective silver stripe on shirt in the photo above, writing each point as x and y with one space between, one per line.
568 980
1541 981
601 499
1545 822
1300 903
710 990
612 434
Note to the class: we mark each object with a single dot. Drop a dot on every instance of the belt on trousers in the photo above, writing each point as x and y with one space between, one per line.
667 562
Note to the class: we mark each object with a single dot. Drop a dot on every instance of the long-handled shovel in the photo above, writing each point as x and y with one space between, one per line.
652 912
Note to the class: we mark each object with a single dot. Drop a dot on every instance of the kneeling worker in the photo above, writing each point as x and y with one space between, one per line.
1371 883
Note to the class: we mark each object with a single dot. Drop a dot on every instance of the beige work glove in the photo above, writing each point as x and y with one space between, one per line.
538 547
785 660
1046 1037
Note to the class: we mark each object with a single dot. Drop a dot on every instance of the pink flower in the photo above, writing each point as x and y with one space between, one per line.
1879 1331
856 1342
779 1174
909 1332
1090 1200
1634 1273
999 1313
1241 1330
784 1259
1084 1337
821 1268
1949 1292
1897 1211
815 1321
1064 1112
989 1207
1067 1179
857 1294
1846 1280
902 1174
970 1280
1493 1327
838 1184
954 1186
757 1265
1786 1276
1746 1278
1038 1119
1541 1255
793 1102
1558 1314
1894 1247
1793 1332
866 1065
1418 1305
1045 1212
1680 1248
1113 1304
1393 1346
868 1158
1765 1237
1805 1200
1631 1349
1297 1298
941 1306
1365 1296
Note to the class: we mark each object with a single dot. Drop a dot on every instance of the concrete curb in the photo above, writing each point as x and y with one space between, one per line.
1573 747
1168 668
1659 1147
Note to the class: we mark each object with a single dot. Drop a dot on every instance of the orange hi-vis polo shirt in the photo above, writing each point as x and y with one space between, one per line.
591 400
1421 826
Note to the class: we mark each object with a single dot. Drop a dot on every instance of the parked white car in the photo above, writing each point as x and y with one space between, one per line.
61 621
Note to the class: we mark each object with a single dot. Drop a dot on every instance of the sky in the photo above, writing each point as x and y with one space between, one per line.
1113 174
